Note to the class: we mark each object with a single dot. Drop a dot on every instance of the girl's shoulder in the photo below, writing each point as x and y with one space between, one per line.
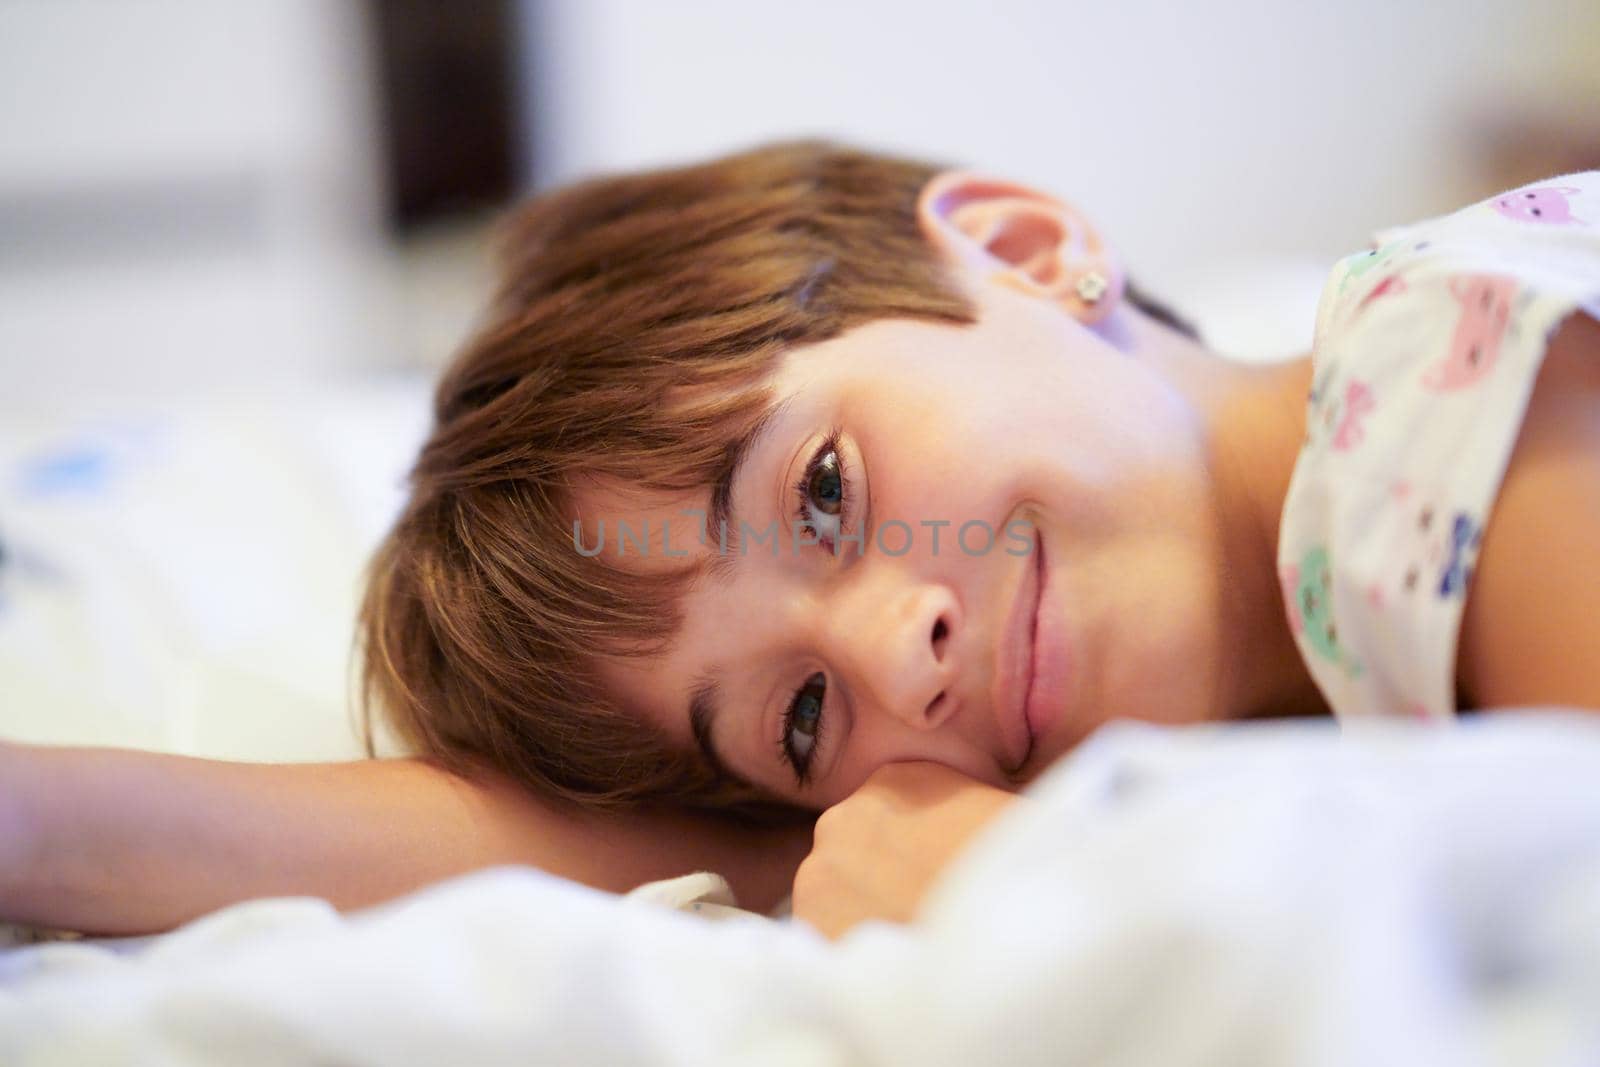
1530 632
1427 354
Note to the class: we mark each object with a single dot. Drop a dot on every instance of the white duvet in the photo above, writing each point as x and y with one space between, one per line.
1247 895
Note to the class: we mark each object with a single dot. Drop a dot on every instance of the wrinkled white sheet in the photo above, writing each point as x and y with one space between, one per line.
1250 895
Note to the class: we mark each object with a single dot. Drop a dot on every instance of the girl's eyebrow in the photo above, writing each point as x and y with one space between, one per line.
722 517
704 702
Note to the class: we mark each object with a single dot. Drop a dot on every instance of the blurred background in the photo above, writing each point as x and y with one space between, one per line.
268 220
261 192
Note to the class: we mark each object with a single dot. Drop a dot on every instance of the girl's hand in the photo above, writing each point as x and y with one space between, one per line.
876 853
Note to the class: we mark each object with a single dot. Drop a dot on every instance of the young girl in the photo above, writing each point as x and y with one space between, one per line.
811 474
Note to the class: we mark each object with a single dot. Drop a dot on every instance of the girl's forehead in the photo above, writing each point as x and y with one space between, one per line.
640 531
606 497
647 689
654 684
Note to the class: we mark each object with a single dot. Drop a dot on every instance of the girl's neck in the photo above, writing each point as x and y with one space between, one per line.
1254 417
1265 433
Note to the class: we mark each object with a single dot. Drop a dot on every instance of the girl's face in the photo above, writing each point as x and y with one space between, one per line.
1018 540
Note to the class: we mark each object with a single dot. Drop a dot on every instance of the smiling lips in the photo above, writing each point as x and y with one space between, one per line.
1047 690
1015 666
1032 664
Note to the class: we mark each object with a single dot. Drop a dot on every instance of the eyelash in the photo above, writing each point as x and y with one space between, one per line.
801 763
802 490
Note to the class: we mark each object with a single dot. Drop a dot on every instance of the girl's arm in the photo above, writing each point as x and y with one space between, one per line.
110 841
1530 630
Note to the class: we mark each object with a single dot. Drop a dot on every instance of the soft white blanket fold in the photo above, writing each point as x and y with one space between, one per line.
1237 896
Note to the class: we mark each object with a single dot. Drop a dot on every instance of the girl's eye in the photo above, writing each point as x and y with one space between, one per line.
823 494
802 725
825 488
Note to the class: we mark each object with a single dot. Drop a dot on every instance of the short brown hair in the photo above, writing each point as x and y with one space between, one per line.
635 321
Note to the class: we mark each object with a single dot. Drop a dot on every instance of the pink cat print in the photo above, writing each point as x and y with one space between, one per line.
1545 203
1389 286
1358 404
1485 301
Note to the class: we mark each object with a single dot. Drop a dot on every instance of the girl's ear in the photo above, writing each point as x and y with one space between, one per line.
1015 236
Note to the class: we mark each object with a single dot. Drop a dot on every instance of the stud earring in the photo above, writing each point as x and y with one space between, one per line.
1091 287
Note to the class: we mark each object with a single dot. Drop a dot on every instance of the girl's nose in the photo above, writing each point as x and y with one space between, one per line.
895 639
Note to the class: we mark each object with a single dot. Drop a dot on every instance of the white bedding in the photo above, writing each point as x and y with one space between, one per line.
1245 895
182 575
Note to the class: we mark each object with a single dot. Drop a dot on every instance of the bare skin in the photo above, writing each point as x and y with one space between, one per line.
124 842
109 841
118 842
1529 637
1149 472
